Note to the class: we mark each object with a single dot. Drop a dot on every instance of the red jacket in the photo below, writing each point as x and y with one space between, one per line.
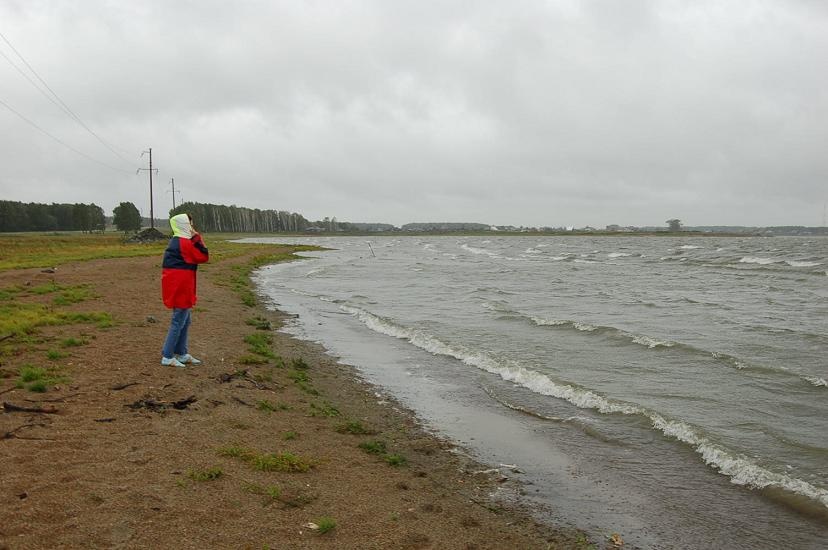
178 274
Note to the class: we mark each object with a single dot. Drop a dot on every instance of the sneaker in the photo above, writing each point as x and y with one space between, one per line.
188 359
172 362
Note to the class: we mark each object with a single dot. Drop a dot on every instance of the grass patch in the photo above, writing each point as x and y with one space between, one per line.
267 406
250 359
73 295
55 355
268 462
353 427
376 447
302 380
281 462
72 342
37 379
325 524
299 364
19 318
325 409
260 323
395 460
205 475
260 344
290 435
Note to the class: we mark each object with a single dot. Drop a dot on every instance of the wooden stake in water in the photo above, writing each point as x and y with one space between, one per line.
372 250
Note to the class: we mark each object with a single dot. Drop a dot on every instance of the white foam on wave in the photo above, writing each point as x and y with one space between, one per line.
475 250
583 327
816 381
618 255
739 469
533 251
649 341
689 247
757 260
795 263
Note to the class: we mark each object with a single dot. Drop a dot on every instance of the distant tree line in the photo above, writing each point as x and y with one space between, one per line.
238 219
32 216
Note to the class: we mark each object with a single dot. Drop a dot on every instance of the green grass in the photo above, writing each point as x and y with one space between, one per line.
395 460
55 355
260 323
267 406
325 524
290 435
353 427
250 359
302 381
376 447
299 364
205 475
38 379
73 295
259 344
281 462
268 462
18 318
323 409
73 342
39 250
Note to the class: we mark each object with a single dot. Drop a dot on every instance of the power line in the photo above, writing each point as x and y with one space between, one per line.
60 103
84 155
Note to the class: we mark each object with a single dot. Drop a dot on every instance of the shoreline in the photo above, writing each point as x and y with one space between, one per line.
119 464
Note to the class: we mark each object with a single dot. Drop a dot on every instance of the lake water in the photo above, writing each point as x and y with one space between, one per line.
674 390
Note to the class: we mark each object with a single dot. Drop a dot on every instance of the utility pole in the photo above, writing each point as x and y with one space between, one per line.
150 169
172 182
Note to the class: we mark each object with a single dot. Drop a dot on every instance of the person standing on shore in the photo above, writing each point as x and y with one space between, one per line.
178 287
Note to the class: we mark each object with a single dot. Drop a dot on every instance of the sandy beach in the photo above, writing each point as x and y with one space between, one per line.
269 444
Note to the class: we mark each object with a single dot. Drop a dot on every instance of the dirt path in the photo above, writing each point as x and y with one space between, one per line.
143 456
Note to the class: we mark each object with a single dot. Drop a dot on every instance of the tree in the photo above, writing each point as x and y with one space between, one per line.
674 224
126 217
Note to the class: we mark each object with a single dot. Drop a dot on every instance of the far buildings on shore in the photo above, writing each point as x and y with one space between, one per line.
453 227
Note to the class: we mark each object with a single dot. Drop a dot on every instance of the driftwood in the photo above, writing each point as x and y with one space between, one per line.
123 386
111 419
6 337
158 406
9 407
245 403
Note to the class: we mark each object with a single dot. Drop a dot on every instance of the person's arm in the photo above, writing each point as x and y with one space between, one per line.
196 252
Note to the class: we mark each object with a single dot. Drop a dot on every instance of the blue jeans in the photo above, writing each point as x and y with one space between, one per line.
176 342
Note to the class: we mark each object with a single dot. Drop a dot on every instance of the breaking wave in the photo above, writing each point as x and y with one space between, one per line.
740 469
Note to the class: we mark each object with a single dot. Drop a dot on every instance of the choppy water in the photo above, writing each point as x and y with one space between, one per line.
678 386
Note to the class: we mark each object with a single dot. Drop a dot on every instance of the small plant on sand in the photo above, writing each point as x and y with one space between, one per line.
395 460
375 447
260 323
281 462
235 451
325 524
72 295
299 364
353 427
260 344
55 355
250 359
205 475
267 406
302 380
324 409
289 436
72 342
37 379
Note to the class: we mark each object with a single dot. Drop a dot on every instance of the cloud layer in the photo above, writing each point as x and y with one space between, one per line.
533 113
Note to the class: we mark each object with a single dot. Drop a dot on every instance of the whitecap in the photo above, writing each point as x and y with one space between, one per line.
689 247
618 255
817 381
756 260
796 263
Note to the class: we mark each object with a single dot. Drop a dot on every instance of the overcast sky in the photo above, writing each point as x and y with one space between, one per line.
523 112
